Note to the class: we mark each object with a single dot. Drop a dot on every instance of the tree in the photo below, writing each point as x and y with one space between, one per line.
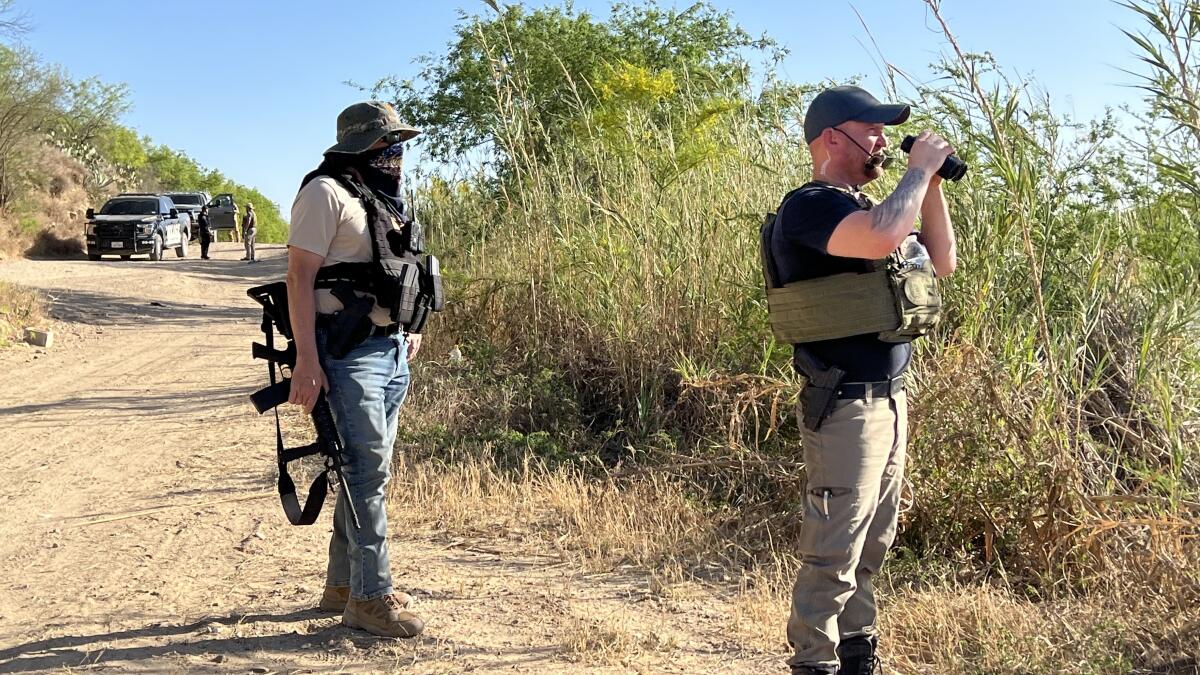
90 108
169 169
536 67
29 93
121 147
12 23
86 128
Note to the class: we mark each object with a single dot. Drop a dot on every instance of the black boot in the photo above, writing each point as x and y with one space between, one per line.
858 656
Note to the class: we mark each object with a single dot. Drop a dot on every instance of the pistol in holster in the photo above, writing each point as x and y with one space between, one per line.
347 328
820 388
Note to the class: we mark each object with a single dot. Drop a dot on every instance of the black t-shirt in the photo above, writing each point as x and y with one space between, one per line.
802 230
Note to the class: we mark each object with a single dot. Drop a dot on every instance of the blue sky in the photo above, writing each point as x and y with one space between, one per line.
253 87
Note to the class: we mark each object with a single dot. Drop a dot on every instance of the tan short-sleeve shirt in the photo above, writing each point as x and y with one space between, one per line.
329 221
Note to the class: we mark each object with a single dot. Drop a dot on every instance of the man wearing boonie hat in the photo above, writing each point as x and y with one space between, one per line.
365 385
854 438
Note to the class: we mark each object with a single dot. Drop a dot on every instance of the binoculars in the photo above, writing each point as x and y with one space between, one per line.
952 169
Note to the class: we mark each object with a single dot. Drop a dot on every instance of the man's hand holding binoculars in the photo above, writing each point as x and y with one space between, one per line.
929 151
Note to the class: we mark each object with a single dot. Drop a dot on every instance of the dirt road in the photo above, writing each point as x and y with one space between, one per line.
141 532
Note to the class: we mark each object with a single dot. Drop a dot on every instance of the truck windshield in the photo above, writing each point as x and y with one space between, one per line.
130 207
187 200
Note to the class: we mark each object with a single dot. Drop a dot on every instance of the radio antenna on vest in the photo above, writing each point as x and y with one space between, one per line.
410 202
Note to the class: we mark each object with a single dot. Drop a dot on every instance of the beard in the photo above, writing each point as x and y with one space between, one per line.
870 172
875 166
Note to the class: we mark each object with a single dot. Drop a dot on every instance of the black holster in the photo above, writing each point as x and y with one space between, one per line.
346 329
820 387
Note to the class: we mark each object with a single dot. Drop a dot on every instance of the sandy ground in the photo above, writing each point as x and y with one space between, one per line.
141 532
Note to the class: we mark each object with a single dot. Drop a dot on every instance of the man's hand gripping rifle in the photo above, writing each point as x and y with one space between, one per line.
273 298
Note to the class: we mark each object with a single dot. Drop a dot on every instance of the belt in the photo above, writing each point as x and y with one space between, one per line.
870 390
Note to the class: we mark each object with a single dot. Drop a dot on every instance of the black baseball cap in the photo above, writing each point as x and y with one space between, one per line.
849 103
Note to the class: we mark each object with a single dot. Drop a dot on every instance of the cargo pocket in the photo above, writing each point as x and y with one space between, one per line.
826 501
825 515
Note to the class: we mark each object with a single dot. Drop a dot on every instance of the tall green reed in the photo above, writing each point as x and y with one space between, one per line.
1054 428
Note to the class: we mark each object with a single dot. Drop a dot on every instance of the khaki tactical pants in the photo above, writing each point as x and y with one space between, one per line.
855 465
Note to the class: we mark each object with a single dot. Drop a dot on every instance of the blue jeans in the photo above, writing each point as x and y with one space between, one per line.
366 389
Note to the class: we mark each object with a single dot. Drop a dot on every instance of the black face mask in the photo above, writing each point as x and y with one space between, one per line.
388 160
382 171
879 160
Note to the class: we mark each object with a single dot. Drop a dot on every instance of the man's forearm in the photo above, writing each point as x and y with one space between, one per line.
937 232
302 309
896 215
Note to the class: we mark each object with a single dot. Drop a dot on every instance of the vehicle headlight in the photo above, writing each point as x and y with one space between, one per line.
146 228
89 229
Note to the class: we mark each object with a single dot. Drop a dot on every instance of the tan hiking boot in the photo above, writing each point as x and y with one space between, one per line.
335 597
383 616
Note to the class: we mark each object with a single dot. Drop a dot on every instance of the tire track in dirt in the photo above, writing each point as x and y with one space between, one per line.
108 425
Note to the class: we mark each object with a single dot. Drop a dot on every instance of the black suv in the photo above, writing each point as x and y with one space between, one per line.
130 224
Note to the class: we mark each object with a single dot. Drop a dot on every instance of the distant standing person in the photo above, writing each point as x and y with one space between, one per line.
205 232
249 228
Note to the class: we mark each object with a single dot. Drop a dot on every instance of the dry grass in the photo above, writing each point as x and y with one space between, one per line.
20 308
942 626
949 629
984 630
593 521
609 641
48 219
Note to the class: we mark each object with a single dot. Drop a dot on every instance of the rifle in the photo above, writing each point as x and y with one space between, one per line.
273 298
328 445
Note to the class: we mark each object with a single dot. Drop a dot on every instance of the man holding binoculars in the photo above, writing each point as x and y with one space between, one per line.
851 284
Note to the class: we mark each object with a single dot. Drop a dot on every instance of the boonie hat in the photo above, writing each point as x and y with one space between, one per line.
361 125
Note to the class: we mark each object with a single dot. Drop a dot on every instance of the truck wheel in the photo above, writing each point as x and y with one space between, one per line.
181 250
156 251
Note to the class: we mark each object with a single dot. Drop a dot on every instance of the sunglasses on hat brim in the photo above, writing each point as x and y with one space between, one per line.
393 137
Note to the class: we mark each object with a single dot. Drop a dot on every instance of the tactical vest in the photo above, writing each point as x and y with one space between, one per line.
401 276
896 297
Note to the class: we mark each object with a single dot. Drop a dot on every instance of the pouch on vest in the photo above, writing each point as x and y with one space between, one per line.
397 284
914 288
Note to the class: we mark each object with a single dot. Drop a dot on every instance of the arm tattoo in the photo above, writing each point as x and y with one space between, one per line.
903 199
